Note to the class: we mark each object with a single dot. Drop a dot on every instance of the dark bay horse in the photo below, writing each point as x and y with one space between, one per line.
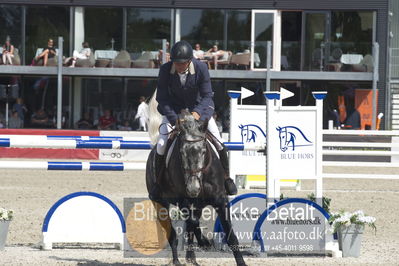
193 179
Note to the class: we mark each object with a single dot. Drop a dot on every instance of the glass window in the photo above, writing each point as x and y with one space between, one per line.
352 32
103 28
43 23
263 30
34 93
291 40
351 40
119 95
315 37
202 26
238 31
10 21
146 28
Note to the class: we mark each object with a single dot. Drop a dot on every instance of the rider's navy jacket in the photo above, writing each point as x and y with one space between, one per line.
196 94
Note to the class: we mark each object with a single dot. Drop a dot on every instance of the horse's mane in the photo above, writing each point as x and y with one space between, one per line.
155 119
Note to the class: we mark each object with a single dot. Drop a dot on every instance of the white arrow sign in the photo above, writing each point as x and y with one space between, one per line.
285 94
245 93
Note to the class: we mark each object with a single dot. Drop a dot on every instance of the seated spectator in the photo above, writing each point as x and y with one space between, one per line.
20 108
40 119
107 121
8 52
160 54
214 53
48 52
83 54
198 53
85 122
15 121
125 127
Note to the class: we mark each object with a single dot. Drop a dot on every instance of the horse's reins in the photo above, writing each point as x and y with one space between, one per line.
176 131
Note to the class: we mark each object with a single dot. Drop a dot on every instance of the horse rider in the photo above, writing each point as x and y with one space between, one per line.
184 83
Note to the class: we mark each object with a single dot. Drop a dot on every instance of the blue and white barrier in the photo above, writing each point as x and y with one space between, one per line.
85 142
72 166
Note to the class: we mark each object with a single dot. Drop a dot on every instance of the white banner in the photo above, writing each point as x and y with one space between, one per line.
292 142
248 125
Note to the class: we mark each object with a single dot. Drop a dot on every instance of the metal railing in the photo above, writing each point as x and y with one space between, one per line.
394 63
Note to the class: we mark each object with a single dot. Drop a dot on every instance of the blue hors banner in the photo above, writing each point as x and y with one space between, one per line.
293 142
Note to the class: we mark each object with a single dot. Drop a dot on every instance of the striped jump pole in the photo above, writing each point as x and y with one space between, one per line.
72 166
85 142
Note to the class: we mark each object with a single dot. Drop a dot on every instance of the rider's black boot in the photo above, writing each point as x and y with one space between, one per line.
159 169
229 185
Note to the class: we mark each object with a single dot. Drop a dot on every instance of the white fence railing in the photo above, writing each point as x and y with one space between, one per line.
354 148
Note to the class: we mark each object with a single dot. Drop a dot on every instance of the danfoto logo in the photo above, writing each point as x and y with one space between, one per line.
291 137
249 133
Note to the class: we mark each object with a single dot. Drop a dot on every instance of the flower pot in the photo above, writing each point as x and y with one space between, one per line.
349 239
3 233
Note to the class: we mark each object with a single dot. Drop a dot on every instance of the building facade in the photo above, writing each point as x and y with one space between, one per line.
316 45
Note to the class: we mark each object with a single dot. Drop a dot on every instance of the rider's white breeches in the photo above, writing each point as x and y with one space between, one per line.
166 128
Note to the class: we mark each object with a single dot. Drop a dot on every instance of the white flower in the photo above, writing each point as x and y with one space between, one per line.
359 213
6 215
345 219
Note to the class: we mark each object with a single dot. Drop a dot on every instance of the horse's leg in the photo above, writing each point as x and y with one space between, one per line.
173 245
173 241
202 240
192 224
232 241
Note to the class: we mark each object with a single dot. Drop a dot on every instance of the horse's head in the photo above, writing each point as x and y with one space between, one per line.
286 138
192 150
283 138
247 134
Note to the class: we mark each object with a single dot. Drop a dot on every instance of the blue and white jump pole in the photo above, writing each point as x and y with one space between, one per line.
85 142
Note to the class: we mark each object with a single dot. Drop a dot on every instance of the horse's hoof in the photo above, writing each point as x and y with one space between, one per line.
175 263
192 262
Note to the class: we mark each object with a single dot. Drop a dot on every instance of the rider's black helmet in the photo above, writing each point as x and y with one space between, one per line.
181 52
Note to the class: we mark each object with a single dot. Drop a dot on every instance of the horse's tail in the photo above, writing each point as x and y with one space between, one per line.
155 119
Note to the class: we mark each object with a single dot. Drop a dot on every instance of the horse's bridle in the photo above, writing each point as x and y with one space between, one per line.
209 153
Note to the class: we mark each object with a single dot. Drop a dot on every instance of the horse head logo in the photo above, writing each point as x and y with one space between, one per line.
249 133
291 137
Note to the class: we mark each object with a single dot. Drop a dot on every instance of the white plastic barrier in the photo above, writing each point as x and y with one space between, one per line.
83 217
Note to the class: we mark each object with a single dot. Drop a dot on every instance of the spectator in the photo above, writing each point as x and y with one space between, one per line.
8 51
125 127
353 120
198 53
107 121
215 53
15 121
142 114
48 52
83 54
20 108
40 119
160 54
2 120
85 122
